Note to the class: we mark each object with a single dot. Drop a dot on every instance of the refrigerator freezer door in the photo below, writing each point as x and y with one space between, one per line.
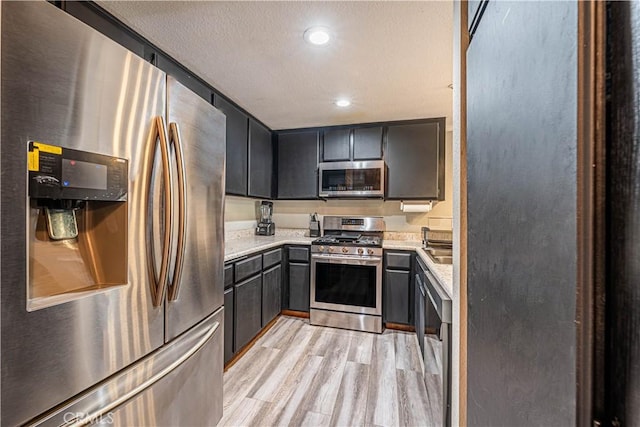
200 288
165 389
66 85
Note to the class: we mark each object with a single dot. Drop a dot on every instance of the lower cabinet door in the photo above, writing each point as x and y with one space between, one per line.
419 312
396 296
298 286
228 324
271 280
248 311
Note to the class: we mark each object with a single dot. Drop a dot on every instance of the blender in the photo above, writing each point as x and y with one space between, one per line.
266 227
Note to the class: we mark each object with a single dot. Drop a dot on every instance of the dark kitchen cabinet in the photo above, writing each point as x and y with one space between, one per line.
252 297
299 286
248 310
397 287
396 301
271 258
298 165
367 143
415 160
228 275
237 148
352 144
260 161
336 145
247 267
228 324
298 278
419 295
271 295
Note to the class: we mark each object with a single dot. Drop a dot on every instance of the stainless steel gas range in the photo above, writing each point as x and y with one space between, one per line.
346 274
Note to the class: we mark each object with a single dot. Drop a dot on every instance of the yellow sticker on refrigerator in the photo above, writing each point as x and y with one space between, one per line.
33 160
45 148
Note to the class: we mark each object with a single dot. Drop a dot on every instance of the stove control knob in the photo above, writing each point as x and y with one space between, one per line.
370 251
321 248
360 251
330 249
345 250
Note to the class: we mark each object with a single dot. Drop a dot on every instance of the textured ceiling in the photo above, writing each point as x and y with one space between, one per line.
393 59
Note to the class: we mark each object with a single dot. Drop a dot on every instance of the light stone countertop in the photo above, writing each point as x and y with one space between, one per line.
236 248
442 272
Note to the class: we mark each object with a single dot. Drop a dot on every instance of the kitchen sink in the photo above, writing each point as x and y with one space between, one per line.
439 255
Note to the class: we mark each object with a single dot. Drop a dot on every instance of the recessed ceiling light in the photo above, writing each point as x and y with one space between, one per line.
343 102
317 35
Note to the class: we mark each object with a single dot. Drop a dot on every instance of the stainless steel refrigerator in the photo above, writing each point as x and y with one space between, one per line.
120 322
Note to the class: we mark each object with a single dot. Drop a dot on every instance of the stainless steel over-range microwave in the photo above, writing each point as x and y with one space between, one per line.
352 179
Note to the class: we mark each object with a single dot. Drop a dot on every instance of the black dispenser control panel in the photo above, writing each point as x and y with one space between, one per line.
65 174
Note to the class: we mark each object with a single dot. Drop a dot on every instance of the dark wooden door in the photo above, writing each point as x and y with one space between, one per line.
260 160
299 286
271 285
336 145
415 161
622 340
522 231
236 167
248 311
298 165
396 296
367 143
228 324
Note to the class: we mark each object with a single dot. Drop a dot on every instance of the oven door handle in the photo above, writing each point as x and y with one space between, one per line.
343 259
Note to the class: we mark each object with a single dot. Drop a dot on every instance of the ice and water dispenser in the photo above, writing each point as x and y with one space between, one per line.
77 224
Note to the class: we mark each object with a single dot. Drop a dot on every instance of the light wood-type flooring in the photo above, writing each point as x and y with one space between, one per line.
303 375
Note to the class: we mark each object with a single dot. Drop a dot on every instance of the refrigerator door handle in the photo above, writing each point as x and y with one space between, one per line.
102 413
176 141
159 281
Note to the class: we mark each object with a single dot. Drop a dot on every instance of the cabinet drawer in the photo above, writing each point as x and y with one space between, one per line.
228 275
248 267
398 260
299 254
271 258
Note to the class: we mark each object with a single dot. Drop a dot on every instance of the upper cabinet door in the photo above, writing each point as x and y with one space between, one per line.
298 165
236 168
336 145
260 160
415 161
367 143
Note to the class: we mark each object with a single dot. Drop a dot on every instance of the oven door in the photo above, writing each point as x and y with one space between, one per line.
346 283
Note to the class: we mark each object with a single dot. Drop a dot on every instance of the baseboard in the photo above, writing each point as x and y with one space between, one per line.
294 313
400 327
